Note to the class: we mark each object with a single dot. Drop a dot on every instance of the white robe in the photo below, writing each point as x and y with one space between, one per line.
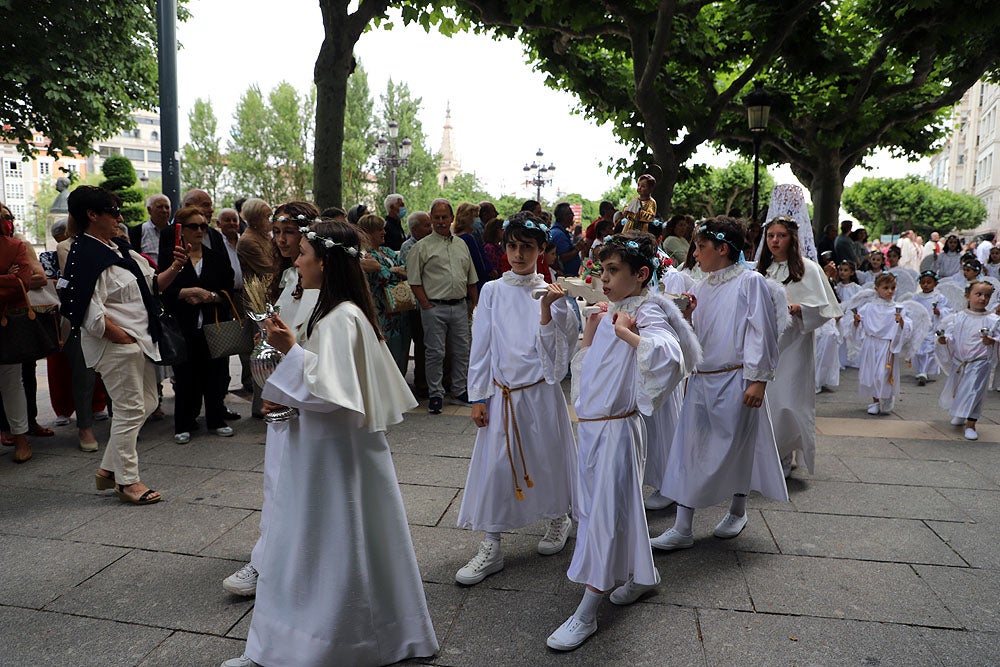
880 340
844 292
611 379
511 348
925 360
827 356
721 447
792 407
963 393
339 582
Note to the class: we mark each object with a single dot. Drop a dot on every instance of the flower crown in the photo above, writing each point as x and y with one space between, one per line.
529 224
785 220
353 251
297 218
630 247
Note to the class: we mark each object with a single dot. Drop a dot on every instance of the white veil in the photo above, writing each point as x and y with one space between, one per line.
788 200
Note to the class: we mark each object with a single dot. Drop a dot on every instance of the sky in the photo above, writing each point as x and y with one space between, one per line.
501 110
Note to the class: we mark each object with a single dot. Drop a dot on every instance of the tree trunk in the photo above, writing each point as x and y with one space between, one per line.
333 67
825 180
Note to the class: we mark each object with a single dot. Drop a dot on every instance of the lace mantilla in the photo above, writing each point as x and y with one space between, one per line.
517 280
724 275
629 305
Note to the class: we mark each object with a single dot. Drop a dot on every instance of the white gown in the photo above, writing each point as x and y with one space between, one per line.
294 312
613 379
791 405
971 360
511 348
339 582
881 341
722 447
844 292
827 356
925 361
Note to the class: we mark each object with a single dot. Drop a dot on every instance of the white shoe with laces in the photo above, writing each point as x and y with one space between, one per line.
242 661
555 535
730 526
671 540
630 591
571 634
657 501
242 582
488 560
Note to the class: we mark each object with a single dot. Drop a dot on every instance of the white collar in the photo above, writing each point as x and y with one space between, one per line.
724 275
629 305
517 280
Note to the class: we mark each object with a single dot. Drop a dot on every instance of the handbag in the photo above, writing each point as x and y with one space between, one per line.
399 298
228 338
29 333
172 344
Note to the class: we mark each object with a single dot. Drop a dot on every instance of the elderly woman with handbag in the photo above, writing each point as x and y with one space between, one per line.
385 274
197 298
107 292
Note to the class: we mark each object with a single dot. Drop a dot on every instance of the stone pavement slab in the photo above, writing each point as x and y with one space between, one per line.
186 648
971 649
901 502
976 543
44 512
230 488
971 595
918 473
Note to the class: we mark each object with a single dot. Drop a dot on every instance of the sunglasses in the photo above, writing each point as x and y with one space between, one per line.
193 226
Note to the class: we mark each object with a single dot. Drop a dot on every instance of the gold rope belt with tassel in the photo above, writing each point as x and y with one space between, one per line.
510 419
890 359
961 368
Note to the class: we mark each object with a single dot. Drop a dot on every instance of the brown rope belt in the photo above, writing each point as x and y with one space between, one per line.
510 419
607 419
961 369
889 361
728 369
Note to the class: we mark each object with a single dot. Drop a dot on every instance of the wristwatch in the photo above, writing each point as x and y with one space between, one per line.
215 296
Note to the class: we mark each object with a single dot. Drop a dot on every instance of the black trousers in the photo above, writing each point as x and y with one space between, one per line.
200 379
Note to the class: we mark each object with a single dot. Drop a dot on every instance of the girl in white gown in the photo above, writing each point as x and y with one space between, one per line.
881 330
630 360
969 342
724 445
524 461
339 583
848 284
811 303
925 362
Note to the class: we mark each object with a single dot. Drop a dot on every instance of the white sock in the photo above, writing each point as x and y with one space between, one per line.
587 611
685 515
739 505
493 537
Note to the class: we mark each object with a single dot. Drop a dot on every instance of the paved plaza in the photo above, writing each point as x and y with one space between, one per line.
886 556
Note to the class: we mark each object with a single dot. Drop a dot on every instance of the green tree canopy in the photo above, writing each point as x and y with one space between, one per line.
359 140
417 181
465 187
916 204
75 71
710 191
119 177
202 161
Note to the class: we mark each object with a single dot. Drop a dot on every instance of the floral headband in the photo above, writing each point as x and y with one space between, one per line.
328 243
929 274
630 247
298 218
785 220
529 224
719 236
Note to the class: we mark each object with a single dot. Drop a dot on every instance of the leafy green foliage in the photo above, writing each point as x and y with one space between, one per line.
465 187
202 162
359 139
711 191
917 205
119 177
417 181
75 71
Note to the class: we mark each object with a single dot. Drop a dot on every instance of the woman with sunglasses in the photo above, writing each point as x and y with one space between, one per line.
196 297
106 292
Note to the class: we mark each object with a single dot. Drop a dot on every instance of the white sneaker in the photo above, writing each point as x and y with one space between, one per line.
629 592
656 501
488 560
671 540
970 434
242 661
225 431
101 416
242 582
555 535
873 408
571 634
730 526
61 421
957 421
182 438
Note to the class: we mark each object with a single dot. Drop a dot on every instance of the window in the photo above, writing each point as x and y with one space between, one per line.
108 151
12 168
45 168
72 166
152 156
135 154
153 175
155 136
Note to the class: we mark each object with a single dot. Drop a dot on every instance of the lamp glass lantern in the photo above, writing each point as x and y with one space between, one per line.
758 105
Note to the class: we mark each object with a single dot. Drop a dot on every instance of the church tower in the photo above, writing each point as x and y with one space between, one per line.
449 167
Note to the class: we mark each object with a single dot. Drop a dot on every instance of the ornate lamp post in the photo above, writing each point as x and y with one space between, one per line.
758 105
540 170
393 155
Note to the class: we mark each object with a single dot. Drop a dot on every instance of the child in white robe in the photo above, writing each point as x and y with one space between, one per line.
970 342
524 462
630 360
848 284
724 446
925 362
881 329
811 303
339 582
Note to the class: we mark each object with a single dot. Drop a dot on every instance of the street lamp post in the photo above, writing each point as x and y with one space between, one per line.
393 155
758 105
540 170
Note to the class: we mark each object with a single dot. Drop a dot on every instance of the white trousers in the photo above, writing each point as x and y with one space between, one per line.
14 403
130 380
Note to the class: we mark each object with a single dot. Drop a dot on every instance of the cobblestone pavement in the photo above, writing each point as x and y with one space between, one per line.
886 556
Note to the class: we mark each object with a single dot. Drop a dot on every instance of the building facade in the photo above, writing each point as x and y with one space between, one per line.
969 160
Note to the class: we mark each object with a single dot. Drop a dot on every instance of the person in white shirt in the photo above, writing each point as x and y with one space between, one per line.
145 238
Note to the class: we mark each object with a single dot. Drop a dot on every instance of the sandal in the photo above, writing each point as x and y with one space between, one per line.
40 431
144 499
104 483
